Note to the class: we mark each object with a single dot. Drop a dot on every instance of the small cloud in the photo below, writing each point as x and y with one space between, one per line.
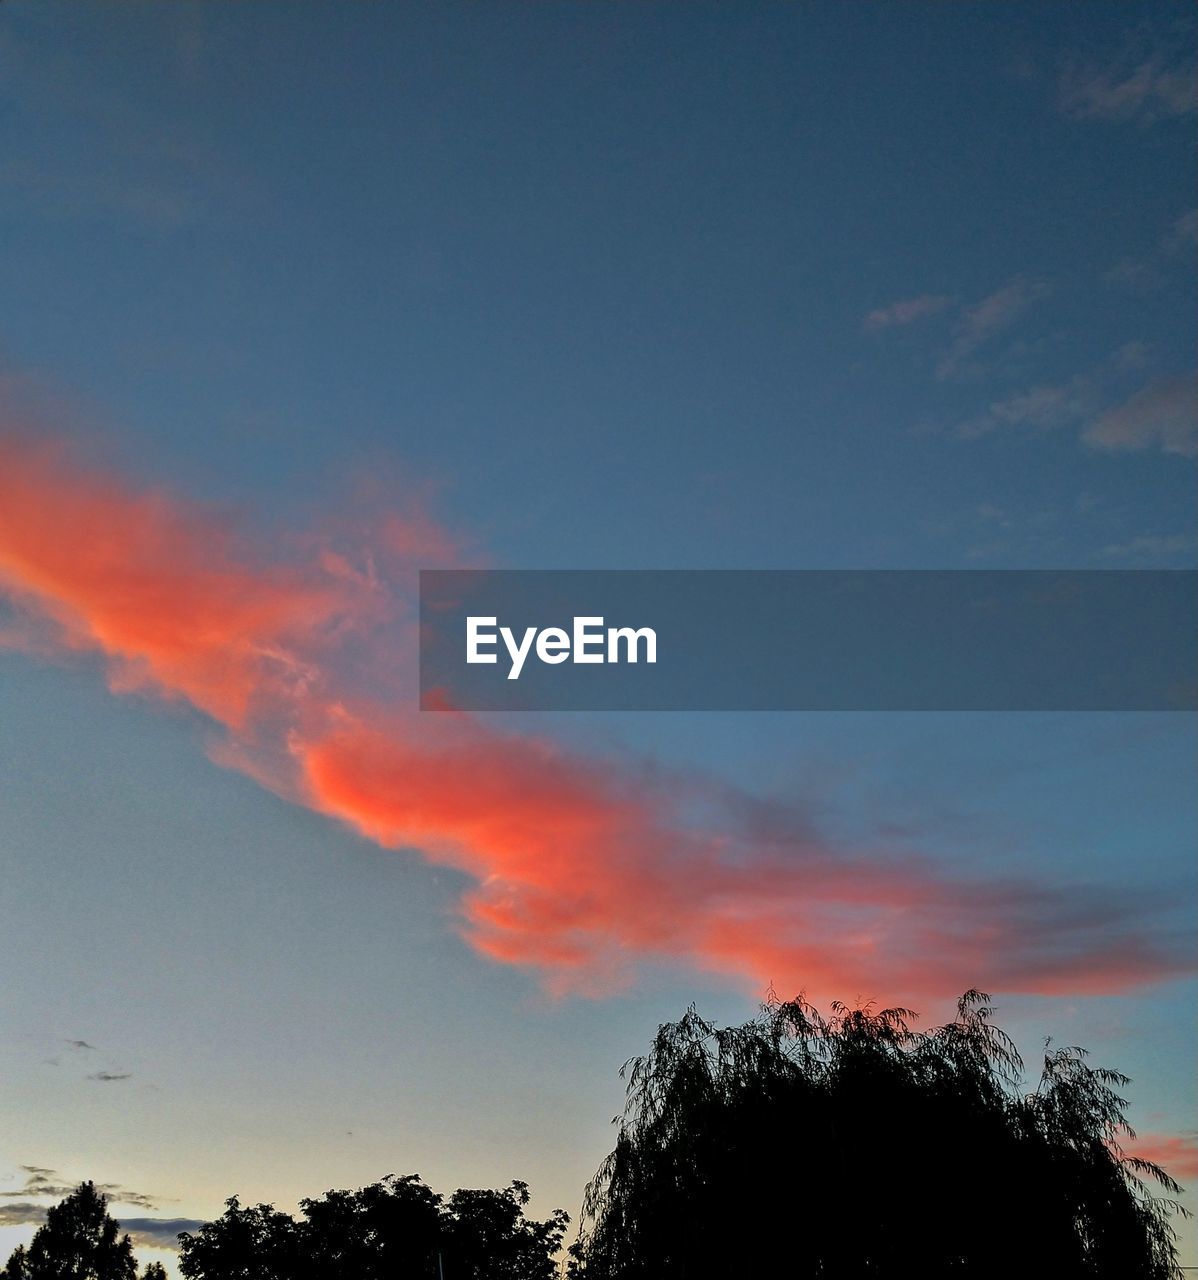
122 1195
907 311
109 1077
1177 1154
1163 415
1042 407
38 1182
985 319
159 1233
1153 546
20 1215
1154 89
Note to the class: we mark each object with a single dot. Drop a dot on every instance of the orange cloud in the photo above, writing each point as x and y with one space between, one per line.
156 587
581 866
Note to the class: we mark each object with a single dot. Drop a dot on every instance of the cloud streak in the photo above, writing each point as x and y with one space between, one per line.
1163 415
581 867
1152 90
907 311
49 1182
1042 407
978 324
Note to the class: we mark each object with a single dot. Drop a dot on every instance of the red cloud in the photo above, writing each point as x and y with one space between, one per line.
581 866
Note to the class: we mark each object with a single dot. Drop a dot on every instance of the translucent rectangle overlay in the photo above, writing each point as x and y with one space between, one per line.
811 640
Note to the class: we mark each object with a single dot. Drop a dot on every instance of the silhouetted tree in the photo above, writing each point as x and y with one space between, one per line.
78 1241
390 1228
856 1147
17 1267
487 1237
261 1243
154 1271
396 1229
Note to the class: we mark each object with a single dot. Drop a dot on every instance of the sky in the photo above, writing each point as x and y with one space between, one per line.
297 299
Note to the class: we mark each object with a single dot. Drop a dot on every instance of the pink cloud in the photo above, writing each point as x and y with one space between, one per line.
1178 1156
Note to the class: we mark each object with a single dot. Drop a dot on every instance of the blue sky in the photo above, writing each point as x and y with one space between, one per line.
603 286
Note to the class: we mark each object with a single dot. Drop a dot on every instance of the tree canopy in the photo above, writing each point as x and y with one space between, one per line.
855 1147
396 1229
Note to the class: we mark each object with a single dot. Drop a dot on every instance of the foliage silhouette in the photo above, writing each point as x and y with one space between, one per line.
855 1147
396 1229
17 1267
78 1241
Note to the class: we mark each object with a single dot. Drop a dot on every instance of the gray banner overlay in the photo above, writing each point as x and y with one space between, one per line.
809 640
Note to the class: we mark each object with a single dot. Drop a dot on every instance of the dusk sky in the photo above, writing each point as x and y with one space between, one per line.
297 299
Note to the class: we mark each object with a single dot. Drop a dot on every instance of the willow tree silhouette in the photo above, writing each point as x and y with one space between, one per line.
856 1147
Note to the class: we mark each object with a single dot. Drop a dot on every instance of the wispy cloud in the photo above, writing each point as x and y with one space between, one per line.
1163 415
1041 407
1183 234
982 321
580 865
1150 547
990 532
50 1183
110 1077
907 311
1156 88
1149 270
